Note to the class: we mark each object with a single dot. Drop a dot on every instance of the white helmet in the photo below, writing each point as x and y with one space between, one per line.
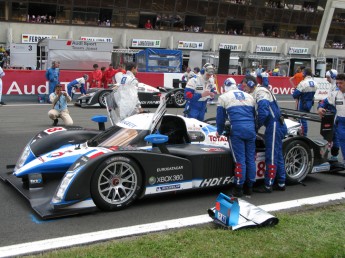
332 74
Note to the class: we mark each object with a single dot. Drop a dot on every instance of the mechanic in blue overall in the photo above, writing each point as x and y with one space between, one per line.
305 92
336 101
197 92
77 83
331 78
53 76
268 115
239 108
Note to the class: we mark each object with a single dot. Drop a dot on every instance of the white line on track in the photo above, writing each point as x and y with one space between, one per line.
87 238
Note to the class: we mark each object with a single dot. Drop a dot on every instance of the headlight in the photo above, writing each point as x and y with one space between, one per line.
62 187
294 130
23 157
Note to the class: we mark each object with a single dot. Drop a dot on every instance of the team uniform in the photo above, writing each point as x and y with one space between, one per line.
2 74
77 83
268 115
264 77
126 95
239 108
305 92
53 75
336 100
196 105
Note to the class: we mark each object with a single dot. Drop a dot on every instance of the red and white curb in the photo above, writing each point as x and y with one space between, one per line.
82 239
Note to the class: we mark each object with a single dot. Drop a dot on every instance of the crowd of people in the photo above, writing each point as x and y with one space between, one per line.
251 105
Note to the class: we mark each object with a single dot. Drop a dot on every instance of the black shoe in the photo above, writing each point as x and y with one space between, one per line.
247 190
277 187
263 189
55 122
2 103
237 191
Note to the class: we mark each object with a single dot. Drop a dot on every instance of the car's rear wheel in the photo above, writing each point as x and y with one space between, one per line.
297 157
116 183
179 100
101 98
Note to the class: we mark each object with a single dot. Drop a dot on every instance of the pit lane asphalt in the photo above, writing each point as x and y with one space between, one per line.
19 224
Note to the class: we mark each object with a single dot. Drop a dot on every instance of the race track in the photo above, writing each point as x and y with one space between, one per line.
19 224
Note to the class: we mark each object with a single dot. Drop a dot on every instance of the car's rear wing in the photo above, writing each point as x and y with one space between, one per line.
327 121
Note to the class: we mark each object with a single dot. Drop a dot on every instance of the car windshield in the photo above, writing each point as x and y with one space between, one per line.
119 136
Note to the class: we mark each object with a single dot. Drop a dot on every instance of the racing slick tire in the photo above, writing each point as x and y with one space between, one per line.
116 183
102 97
178 100
298 161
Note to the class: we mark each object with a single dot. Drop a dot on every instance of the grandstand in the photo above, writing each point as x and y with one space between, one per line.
291 33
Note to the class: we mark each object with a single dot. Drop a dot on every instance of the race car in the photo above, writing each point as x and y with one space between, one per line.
71 170
148 96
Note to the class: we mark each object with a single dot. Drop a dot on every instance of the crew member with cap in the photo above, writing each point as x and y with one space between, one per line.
77 83
268 115
197 92
336 100
305 92
239 108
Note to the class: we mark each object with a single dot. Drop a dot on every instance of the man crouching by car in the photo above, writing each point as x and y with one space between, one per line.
59 101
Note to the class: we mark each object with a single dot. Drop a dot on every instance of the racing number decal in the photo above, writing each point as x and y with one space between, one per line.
54 130
311 84
260 169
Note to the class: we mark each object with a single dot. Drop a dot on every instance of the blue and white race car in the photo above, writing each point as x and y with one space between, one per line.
71 170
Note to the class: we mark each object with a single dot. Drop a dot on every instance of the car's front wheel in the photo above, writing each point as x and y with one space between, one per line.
102 97
116 183
298 159
179 100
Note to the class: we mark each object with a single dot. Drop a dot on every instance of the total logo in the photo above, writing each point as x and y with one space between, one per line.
216 181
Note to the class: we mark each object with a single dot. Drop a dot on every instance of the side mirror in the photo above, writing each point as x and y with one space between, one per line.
159 140
101 120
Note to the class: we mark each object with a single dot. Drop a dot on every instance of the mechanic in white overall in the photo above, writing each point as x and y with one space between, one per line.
336 100
126 94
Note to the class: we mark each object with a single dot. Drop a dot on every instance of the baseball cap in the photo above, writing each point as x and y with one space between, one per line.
209 69
229 81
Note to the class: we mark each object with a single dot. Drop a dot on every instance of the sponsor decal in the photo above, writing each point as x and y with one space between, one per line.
216 181
146 43
221 217
266 49
97 39
149 102
58 154
232 47
34 38
152 180
116 158
321 168
41 159
213 149
214 138
54 130
170 178
82 45
169 168
190 45
298 51
129 124
167 188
